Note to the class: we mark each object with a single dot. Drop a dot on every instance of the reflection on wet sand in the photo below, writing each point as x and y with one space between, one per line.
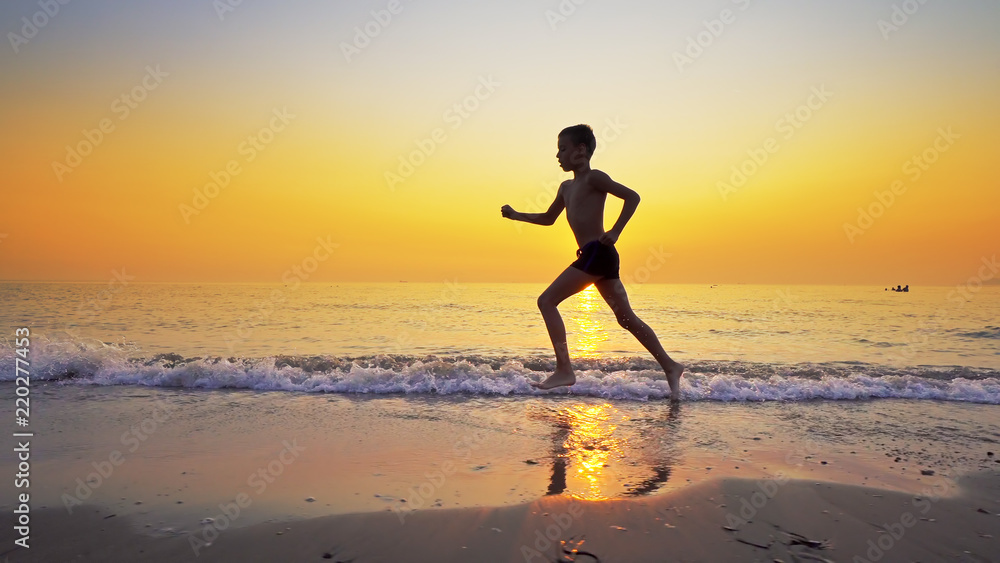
588 445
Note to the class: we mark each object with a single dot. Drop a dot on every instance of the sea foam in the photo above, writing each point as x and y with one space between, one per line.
631 378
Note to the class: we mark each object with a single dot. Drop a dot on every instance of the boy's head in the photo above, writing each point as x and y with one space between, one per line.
580 135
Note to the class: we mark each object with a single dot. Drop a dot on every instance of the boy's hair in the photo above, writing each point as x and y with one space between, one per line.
581 134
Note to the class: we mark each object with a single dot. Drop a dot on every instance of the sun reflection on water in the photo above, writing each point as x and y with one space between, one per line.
590 446
588 331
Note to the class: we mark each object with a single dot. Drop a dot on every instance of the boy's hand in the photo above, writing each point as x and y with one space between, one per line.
609 238
508 212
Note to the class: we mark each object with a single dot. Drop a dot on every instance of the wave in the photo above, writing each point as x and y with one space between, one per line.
633 378
988 332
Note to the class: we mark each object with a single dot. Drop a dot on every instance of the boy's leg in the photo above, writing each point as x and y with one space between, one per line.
571 281
613 292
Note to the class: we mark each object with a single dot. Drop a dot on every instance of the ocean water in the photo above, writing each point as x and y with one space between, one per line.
382 385
739 342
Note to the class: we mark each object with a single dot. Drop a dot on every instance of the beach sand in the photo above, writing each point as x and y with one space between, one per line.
295 477
718 520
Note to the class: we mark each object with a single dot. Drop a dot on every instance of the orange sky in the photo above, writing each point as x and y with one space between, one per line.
309 114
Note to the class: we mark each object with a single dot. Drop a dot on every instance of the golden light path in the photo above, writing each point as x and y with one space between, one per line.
591 443
590 446
588 332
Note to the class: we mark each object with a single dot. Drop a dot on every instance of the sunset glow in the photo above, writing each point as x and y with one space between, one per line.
850 142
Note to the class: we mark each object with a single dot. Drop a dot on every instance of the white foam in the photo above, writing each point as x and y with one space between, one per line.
95 363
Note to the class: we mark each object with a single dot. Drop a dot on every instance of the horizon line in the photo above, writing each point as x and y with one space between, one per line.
632 284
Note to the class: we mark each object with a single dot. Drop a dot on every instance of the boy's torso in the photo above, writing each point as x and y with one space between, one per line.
584 209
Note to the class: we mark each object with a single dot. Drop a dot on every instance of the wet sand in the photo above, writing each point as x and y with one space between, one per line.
718 520
250 476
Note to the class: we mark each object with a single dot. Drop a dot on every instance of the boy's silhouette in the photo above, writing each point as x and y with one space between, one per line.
583 198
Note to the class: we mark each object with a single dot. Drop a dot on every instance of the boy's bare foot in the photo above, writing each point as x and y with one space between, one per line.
558 379
674 380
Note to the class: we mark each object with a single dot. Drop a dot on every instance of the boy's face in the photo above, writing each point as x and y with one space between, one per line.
570 156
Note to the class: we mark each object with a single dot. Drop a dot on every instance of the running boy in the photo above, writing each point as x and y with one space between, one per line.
583 198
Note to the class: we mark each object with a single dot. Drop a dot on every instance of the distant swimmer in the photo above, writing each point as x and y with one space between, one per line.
583 198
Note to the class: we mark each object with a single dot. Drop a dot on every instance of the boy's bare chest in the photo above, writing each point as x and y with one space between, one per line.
579 196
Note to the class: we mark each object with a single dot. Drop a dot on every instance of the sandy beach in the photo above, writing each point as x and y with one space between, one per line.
720 520
260 476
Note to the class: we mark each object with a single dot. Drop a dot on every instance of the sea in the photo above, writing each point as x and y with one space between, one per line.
738 342
359 397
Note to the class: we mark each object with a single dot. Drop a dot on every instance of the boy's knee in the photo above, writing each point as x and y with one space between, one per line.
628 321
546 301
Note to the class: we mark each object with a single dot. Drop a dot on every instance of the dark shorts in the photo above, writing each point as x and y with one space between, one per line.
597 259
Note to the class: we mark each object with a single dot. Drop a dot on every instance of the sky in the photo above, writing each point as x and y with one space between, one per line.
771 141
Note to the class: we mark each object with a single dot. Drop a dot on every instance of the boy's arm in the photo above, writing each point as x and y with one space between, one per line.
604 183
547 218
